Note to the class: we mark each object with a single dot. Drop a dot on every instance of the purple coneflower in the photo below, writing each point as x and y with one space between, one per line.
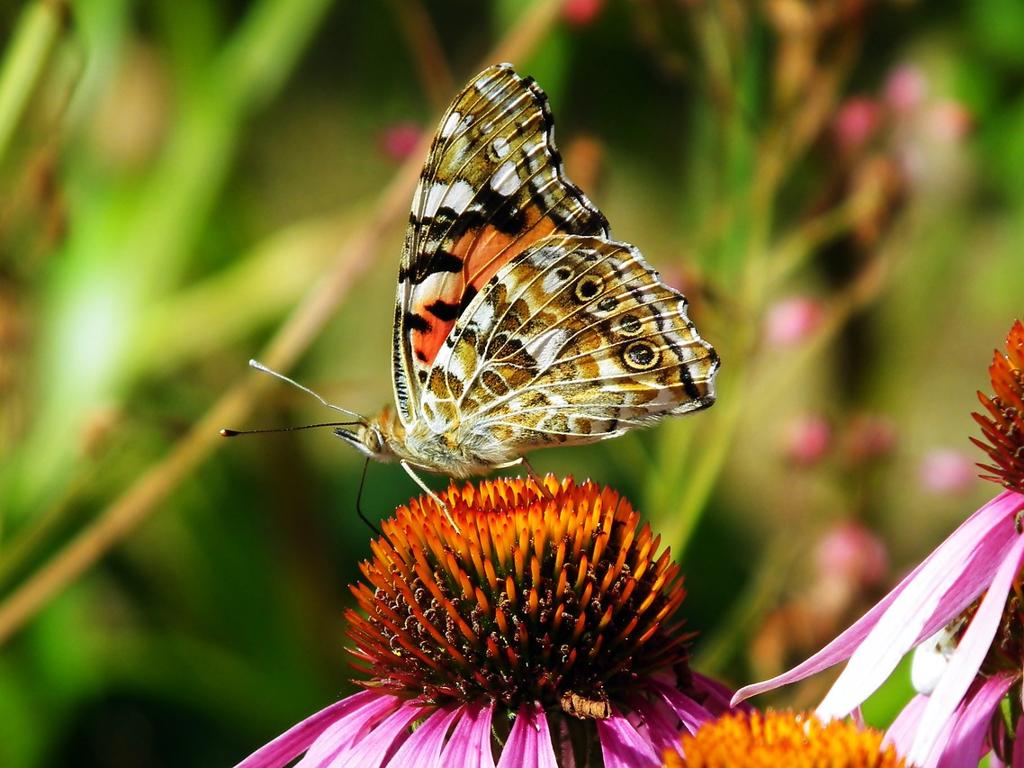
538 630
776 739
961 608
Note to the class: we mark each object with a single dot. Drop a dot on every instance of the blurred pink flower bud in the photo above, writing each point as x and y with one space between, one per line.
870 437
857 119
854 553
579 13
905 88
398 141
949 121
792 320
807 440
946 471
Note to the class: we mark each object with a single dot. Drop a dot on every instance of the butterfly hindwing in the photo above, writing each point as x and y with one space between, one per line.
574 340
492 186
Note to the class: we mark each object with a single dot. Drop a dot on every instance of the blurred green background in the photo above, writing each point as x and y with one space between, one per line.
838 187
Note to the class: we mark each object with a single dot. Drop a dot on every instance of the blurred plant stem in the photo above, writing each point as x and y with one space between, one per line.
28 52
191 323
748 266
769 578
291 340
421 37
764 587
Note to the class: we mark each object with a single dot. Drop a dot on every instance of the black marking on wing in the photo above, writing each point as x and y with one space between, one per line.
417 322
442 310
443 261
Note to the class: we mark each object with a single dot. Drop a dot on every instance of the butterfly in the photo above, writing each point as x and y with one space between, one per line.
519 323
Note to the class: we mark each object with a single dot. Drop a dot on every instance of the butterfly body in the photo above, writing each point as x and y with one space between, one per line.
519 322
385 439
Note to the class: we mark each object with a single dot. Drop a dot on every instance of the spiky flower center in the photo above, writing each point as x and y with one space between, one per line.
1003 426
553 595
773 739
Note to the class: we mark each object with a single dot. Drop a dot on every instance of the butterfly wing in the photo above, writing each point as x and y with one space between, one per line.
575 340
492 186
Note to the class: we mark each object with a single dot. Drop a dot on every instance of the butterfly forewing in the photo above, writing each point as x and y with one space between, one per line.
492 186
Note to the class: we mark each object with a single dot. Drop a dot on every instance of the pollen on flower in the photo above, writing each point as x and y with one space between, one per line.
773 739
547 595
1003 425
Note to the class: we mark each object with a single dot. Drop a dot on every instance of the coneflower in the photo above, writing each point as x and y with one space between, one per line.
516 624
961 608
775 739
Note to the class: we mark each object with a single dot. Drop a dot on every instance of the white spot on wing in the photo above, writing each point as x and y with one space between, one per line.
450 125
505 180
544 348
433 285
608 367
432 416
553 282
458 196
456 367
483 317
501 147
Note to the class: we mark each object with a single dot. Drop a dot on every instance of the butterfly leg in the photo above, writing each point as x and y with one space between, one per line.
427 490
535 477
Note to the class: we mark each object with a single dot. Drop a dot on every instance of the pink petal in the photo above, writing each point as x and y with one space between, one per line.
297 739
381 742
967 742
660 720
622 746
997 736
470 742
349 729
529 741
423 747
689 711
967 658
718 695
1018 745
901 732
933 577
951 578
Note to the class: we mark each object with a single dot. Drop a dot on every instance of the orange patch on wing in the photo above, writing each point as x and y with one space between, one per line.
483 252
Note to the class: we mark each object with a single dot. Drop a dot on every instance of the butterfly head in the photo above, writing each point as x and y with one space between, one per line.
372 437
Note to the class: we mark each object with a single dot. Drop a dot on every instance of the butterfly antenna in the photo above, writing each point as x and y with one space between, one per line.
261 367
236 432
359 501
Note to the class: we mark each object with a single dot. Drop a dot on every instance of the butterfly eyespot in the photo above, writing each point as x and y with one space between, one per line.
630 325
607 304
562 274
641 356
588 287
